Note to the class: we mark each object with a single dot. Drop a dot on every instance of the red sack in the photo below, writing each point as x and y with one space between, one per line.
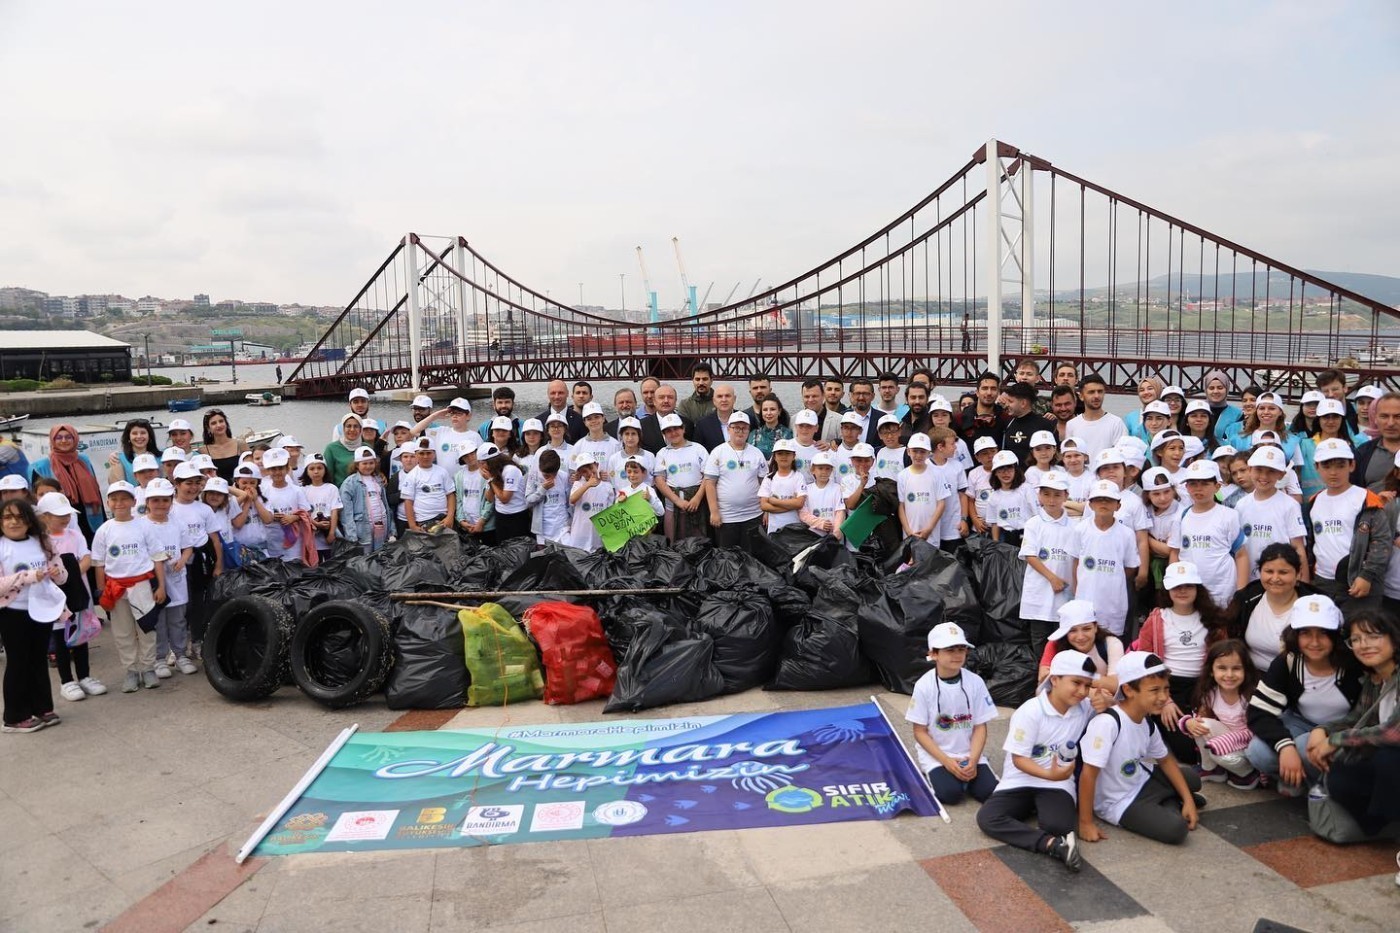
578 664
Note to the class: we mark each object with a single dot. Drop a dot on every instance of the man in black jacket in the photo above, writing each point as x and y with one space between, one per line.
665 400
1376 458
1022 421
558 394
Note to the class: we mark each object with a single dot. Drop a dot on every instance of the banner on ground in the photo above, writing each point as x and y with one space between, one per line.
620 523
634 777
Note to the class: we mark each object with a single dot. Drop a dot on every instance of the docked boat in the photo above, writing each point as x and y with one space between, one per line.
94 440
263 399
182 404
13 422
254 438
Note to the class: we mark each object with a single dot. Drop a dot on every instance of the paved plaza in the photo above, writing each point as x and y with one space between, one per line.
126 817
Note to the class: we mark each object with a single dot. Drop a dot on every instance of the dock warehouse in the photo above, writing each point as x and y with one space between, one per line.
78 354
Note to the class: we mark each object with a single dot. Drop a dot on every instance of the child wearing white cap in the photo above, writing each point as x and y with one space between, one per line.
429 492
678 473
547 493
953 526
1210 536
1130 778
283 501
176 551
598 444
1267 515
1046 546
804 432
30 602
1079 630
1038 774
1352 534
783 493
1106 558
124 554
825 508
450 436
979 483
638 476
950 709
1012 501
629 439
922 497
56 512
734 471
890 456
589 496
1044 457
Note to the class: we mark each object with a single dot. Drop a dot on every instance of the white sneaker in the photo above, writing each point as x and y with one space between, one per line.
163 670
186 666
71 691
92 686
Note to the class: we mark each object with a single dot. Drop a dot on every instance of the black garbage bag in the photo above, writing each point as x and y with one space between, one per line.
910 551
367 570
471 572
445 547
746 638
730 568
692 549
309 589
790 605
517 605
665 665
1008 669
508 557
649 561
406 572
996 572
827 554
823 651
776 551
553 568
894 628
430 665
624 616
600 568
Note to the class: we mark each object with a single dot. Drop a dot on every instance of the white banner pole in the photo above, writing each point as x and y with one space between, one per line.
295 793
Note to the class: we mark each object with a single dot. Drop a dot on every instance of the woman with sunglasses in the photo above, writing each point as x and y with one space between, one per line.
219 443
75 476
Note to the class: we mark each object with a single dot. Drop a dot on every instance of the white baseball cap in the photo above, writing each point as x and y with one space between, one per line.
406 450
503 423
823 459
1073 443
1105 489
1197 404
939 403
583 459
1107 457
739 418
1156 478
1271 457
863 450
1133 458
851 417
592 408
1054 479
785 444
1180 573
406 425
1004 458
1274 399
122 485
458 403
1129 443
52 503
159 488
189 471
1333 449
556 417
1136 665
467 449
202 462
1156 408
1044 439
421 401
1331 406
247 471
1203 469
805 416
1166 436
946 635
532 424
145 462
1310 397
216 484
288 441
179 424
886 420
919 441
983 443
363 454
358 393
1073 613
1194 447
671 421
1370 392
12 482
486 451
1069 663
350 416
1224 450
1173 390
276 457
1315 611
629 422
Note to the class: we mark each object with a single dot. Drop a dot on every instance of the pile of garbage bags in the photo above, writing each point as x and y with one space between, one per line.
795 611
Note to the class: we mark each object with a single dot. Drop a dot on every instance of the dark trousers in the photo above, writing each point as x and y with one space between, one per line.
26 688
1156 811
69 658
1366 787
513 526
736 534
1040 631
199 574
1004 815
1182 745
951 790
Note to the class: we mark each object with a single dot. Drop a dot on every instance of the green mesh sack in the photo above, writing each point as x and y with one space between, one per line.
501 658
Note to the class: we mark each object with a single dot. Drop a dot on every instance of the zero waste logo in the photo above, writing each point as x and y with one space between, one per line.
793 800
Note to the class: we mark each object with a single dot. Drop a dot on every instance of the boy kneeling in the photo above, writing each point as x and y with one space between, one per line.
1119 781
950 710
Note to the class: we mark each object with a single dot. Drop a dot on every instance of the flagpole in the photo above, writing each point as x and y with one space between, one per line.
942 810
295 793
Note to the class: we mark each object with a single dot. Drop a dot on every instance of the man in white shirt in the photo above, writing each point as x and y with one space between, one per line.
1099 429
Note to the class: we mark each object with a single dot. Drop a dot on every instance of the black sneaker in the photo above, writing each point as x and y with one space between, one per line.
1200 801
1066 849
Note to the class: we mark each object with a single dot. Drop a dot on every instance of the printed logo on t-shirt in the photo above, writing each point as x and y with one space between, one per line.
843 469
1043 553
1090 563
960 721
588 506
1331 526
22 566
1247 530
673 469
801 465
984 495
1129 767
1004 513
446 448
731 464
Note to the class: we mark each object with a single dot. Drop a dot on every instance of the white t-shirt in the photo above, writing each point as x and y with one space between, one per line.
1210 540
652 497
950 710
1131 514
1097 435
979 488
1322 701
514 482
552 509
582 534
446 441
173 538
1266 521
1038 732
285 500
1010 509
619 475
196 520
1080 485
919 494
124 549
427 488
1264 633
783 487
803 462
324 499
826 501
1051 540
1165 524
738 475
1334 524
17 556
1125 752
841 457
889 461
471 486
602 451
952 482
1183 643
962 456
1103 559
684 467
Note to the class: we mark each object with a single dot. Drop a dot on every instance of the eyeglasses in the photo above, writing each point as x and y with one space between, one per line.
1364 638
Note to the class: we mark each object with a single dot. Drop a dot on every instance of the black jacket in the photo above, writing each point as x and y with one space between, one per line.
1016 434
651 432
576 428
1364 453
1279 690
1242 606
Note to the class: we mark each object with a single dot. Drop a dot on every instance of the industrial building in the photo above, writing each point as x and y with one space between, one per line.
78 354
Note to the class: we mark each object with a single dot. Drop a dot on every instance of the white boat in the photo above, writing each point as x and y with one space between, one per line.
254 438
263 399
94 440
13 422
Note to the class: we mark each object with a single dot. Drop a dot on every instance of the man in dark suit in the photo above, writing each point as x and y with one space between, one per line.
713 429
665 400
558 393
625 401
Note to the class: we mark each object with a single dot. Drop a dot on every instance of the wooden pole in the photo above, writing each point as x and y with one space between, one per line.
493 594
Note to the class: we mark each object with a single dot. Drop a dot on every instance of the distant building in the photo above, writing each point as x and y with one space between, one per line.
261 307
201 301
78 354
148 305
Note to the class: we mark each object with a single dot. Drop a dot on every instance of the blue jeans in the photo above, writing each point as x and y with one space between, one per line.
1265 759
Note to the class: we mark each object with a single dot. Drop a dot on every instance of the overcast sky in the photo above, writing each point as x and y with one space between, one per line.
276 151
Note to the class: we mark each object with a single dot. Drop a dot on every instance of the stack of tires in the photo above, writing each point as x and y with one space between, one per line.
339 653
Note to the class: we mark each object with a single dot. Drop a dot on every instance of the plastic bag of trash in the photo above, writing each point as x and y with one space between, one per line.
745 636
790 606
665 665
553 568
429 669
578 664
823 652
649 561
730 568
1008 669
996 572
500 657
776 551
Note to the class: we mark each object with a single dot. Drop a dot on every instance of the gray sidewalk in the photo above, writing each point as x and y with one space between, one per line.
132 790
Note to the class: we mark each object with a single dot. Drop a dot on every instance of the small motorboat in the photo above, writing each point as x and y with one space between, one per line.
182 404
13 422
254 438
263 399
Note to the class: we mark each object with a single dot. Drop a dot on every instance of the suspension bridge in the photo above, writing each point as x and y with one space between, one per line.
1011 257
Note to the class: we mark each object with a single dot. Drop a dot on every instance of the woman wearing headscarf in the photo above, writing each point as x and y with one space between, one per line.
75 474
1149 390
1223 415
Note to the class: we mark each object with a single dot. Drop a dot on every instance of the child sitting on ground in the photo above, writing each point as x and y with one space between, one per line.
950 710
1219 724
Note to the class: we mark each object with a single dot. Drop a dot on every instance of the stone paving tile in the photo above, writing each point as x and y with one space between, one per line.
638 869
793 853
591 922
500 885
1365 902
928 836
751 910
399 913
20 826
1086 897
49 872
890 899
347 876
1309 861
1269 820
968 877
83 907
242 909
137 836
